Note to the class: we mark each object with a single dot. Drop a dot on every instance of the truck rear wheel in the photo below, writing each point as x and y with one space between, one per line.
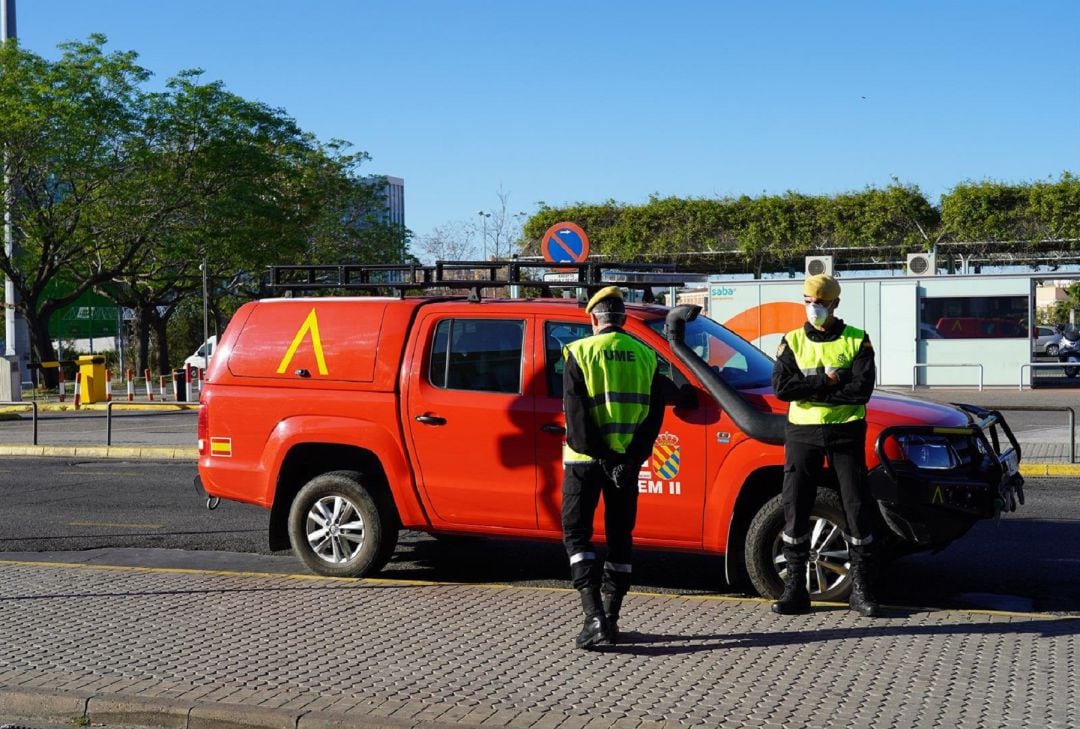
338 529
830 560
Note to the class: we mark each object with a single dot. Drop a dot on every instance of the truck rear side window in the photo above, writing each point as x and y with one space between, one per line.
477 354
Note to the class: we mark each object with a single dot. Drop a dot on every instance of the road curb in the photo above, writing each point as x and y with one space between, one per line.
117 709
1050 470
150 453
100 407
43 704
158 453
236 716
90 709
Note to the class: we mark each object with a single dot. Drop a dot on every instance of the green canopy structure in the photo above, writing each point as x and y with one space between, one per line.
91 315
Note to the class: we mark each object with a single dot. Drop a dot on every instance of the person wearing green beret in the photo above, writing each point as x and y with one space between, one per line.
614 405
825 371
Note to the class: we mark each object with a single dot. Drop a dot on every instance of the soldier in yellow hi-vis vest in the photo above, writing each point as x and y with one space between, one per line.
614 404
825 369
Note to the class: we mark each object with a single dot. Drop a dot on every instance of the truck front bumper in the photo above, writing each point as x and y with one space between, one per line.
930 507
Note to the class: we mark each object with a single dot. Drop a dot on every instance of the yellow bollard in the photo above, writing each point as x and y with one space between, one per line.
92 368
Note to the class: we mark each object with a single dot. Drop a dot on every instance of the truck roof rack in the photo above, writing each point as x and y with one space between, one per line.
473 276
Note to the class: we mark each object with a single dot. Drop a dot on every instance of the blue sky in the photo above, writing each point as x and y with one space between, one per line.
588 101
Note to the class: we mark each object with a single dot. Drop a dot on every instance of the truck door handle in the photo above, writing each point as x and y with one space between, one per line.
430 420
553 428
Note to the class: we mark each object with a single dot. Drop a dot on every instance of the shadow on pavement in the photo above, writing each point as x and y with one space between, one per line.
634 643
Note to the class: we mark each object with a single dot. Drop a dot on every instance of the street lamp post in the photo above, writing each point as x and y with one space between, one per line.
517 217
16 333
205 316
484 216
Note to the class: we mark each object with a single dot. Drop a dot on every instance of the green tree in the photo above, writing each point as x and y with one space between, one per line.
67 129
232 173
898 217
774 229
1053 212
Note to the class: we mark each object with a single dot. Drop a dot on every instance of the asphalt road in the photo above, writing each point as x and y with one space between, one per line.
136 427
149 514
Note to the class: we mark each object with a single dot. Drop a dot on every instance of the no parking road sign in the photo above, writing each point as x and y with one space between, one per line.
565 243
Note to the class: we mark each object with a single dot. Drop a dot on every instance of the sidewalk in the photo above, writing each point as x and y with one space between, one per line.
65 432
202 650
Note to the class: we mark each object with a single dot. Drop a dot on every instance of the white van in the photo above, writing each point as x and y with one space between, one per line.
203 354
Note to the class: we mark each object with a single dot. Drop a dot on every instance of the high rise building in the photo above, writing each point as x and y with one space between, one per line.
392 191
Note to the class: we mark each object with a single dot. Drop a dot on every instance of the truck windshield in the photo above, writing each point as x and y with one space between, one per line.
739 363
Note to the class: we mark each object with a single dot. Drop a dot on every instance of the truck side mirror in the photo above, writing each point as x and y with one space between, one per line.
684 396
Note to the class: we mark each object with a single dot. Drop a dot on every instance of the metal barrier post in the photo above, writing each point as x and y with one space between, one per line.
1036 365
1041 409
108 416
915 371
32 404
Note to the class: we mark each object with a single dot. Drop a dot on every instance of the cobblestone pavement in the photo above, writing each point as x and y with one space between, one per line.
214 650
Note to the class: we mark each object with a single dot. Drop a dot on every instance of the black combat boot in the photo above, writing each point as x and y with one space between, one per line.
864 574
796 598
595 631
612 605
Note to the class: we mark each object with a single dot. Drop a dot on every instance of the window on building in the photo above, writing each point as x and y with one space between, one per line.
974 317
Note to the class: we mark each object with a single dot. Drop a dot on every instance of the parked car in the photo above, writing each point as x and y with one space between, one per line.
1047 341
928 331
350 418
203 355
977 327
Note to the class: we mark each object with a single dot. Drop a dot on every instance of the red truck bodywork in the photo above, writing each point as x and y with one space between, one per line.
302 386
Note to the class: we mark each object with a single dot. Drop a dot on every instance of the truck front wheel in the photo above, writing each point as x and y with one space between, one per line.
830 560
338 529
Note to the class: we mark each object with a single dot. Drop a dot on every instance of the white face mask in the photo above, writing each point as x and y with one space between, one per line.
816 314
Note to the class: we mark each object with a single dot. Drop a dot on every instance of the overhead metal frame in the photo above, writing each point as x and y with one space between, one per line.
473 276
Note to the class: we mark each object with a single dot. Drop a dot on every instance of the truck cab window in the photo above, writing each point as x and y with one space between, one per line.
558 334
477 354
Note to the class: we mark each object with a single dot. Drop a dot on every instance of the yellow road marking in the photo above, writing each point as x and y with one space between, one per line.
486 586
113 525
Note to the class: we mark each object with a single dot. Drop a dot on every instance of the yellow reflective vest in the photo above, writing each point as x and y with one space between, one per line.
816 358
618 372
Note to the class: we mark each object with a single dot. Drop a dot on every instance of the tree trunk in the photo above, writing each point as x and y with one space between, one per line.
41 346
142 331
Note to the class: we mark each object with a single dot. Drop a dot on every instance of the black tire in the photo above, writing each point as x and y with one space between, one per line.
1051 350
366 529
829 562
1072 371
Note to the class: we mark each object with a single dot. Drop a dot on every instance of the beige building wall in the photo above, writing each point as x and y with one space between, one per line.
695 298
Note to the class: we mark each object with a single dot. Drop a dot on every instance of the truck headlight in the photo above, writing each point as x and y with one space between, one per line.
928 451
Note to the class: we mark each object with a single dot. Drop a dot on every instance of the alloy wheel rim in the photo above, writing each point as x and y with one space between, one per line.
830 559
335 529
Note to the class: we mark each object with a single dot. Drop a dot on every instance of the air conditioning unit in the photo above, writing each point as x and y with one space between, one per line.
921 264
816 265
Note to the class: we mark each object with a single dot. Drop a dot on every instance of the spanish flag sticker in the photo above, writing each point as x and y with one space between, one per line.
221 447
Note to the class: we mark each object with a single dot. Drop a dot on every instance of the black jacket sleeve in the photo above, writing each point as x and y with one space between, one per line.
581 432
788 381
856 388
642 444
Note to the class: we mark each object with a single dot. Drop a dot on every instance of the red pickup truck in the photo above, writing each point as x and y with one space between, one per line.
353 417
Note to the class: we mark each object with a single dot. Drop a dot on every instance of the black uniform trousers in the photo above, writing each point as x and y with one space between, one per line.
583 483
805 451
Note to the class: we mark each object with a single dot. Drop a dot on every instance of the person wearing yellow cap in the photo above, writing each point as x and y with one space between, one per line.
825 370
614 405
